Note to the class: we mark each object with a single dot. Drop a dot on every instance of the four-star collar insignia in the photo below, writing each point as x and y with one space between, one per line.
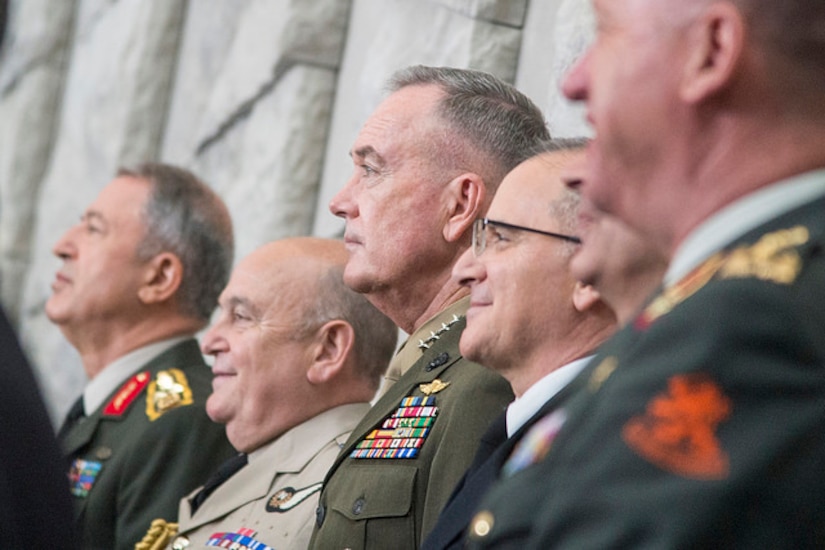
436 335
288 498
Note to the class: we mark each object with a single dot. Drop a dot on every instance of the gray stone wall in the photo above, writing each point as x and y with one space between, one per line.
261 98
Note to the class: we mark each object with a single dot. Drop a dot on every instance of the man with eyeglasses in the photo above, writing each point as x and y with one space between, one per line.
529 319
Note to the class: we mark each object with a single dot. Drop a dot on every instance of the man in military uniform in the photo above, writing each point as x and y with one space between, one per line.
294 373
141 274
700 425
427 163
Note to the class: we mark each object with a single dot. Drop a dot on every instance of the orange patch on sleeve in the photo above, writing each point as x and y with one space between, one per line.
677 431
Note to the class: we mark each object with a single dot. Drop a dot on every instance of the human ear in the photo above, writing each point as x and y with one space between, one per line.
716 44
330 351
584 296
466 194
161 279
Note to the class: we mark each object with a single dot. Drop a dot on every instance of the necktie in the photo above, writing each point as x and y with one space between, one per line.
224 472
72 417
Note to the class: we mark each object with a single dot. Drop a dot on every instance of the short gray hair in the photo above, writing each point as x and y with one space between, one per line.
185 217
375 334
499 123
564 209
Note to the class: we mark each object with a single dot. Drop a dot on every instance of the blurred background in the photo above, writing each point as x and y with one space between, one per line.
260 98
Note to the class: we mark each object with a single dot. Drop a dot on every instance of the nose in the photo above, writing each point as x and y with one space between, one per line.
213 342
343 203
576 81
468 270
65 247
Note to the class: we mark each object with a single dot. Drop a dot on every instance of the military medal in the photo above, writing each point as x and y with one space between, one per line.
242 540
402 434
82 476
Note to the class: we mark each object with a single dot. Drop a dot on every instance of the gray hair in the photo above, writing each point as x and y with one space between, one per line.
375 334
185 217
564 209
494 126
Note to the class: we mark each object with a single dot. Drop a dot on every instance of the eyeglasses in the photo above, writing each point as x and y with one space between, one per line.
480 233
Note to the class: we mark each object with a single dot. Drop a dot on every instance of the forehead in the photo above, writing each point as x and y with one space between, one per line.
527 191
121 202
395 122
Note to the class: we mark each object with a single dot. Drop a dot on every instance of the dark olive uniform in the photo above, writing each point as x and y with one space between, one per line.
151 443
401 463
701 423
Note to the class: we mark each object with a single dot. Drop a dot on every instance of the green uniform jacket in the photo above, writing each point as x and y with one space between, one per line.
127 469
702 424
393 503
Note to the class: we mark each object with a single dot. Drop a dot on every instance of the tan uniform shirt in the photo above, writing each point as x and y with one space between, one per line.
272 500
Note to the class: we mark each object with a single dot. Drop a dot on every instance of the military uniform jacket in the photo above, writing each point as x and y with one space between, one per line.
272 500
128 469
701 425
392 503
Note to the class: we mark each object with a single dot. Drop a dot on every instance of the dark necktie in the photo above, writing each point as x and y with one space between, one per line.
72 417
224 472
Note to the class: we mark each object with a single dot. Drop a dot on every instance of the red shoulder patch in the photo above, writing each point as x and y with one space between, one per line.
677 431
126 394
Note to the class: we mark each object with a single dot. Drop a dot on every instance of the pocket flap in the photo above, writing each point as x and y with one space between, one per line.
371 492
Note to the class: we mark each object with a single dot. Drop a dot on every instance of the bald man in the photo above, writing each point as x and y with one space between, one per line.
298 356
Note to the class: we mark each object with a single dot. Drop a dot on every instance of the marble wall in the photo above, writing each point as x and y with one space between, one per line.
261 98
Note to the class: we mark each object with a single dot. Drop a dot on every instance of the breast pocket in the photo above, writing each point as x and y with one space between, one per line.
377 503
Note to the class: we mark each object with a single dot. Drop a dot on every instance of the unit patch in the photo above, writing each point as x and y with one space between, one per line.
126 395
242 540
402 434
168 390
82 476
678 430
288 498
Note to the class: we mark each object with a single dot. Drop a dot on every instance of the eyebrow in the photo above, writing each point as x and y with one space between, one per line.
368 151
94 215
239 301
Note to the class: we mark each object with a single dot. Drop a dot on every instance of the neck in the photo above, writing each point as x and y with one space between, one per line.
732 158
410 308
582 341
99 346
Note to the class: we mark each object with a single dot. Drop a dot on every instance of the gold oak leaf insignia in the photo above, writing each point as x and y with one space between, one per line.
433 387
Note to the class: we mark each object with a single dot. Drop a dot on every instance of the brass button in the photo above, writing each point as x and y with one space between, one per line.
482 524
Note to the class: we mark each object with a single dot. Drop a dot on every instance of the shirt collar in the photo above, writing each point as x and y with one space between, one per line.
741 216
524 407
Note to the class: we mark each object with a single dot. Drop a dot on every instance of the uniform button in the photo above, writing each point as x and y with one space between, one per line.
482 524
320 514
358 507
103 453
180 543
